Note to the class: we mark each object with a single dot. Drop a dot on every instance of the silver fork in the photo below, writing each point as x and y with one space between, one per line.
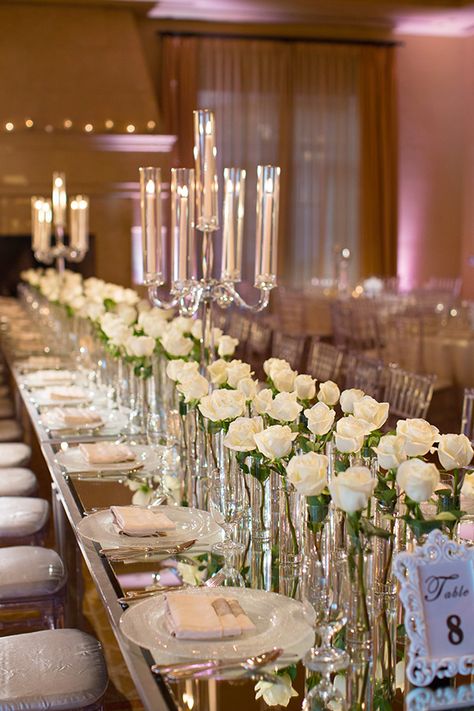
136 595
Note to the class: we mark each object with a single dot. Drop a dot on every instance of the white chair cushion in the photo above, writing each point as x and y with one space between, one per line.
6 408
10 431
29 571
51 669
14 454
22 516
17 481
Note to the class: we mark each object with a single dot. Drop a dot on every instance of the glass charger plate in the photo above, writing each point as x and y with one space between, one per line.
279 620
72 460
48 378
190 523
42 398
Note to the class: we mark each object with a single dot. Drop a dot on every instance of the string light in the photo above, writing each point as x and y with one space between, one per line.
29 123
49 128
109 124
9 126
151 125
88 127
130 128
67 123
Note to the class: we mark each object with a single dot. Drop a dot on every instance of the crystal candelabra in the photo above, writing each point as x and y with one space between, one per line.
50 215
194 210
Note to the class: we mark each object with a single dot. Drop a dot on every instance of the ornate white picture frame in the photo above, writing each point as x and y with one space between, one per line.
437 592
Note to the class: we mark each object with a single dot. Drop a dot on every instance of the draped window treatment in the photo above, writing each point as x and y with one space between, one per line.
326 114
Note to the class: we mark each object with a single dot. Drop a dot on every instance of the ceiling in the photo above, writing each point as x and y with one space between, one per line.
437 17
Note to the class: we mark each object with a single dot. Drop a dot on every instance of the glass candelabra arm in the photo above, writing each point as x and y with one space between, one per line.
229 292
190 298
158 301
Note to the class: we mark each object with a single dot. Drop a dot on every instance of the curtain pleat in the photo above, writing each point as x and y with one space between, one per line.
326 114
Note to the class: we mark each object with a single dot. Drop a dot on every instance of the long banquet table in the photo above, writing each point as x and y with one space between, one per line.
73 497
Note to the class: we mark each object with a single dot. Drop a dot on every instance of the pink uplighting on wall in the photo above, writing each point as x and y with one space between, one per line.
410 232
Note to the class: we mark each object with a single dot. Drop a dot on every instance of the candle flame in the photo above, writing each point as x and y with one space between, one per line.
58 182
39 204
269 185
150 187
74 205
208 128
230 186
183 191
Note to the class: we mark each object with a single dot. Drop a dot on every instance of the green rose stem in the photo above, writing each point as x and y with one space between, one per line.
358 552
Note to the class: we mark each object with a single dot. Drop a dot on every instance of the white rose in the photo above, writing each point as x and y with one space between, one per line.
139 346
320 418
418 479
236 371
285 407
275 442
193 388
222 405
241 434
248 387
182 325
350 434
94 311
352 489
276 693
454 451
262 401
196 329
390 451
308 473
176 345
153 323
226 346
328 393
190 574
271 365
373 412
218 372
143 305
467 489
129 296
217 333
127 313
419 436
305 387
284 380
180 370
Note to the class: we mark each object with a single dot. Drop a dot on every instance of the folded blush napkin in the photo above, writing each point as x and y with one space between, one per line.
51 377
136 521
205 616
68 393
106 453
73 417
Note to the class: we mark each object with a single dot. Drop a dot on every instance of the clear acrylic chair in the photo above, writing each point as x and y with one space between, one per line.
23 521
467 419
239 327
290 348
32 588
324 361
409 394
364 374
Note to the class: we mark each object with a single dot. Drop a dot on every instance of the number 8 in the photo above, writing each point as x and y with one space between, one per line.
455 634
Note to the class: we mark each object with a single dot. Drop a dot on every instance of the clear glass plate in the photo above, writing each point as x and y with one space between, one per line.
72 460
279 620
42 398
45 378
190 523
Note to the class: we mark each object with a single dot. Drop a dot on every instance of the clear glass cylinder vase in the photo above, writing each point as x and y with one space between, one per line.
291 528
360 612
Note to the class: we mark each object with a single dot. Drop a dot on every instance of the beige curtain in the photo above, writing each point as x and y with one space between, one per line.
318 111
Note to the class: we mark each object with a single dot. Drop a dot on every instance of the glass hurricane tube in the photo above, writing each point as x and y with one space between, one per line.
266 236
151 219
182 227
205 153
79 224
234 201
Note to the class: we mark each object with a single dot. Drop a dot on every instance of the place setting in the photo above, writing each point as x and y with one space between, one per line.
68 422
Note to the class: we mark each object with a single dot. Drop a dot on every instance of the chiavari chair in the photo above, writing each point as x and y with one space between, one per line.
364 374
467 419
290 348
409 394
258 347
324 361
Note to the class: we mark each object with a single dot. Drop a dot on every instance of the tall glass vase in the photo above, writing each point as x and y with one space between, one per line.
291 536
194 451
262 527
360 617
137 417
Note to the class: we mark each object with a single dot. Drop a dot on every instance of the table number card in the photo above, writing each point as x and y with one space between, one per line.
437 592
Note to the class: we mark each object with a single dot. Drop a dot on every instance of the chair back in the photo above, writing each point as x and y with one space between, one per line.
324 361
409 394
290 348
467 420
239 327
258 347
363 373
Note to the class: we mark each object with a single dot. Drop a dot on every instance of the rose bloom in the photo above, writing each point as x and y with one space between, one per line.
241 434
175 344
467 489
308 473
262 401
454 451
328 393
226 346
320 418
390 451
285 407
373 412
218 371
305 387
284 380
236 371
349 398
182 325
350 434
272 365
153 323
222 405
140 346
352 489
180 370
193 388
248 387
419 436
418 479
276 693
275 442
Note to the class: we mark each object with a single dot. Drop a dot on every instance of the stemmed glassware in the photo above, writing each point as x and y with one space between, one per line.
161 457
227 505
